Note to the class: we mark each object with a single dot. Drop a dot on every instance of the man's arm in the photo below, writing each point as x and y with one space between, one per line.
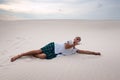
68 45
87 52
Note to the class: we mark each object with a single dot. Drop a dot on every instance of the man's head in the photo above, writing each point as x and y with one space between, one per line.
77 39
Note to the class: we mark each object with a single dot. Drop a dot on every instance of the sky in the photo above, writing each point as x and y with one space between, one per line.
60 9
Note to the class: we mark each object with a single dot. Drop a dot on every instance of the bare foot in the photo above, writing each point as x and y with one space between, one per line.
15 57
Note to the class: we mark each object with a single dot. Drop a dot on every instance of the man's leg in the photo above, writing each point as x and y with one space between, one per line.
33 52
88 52
41 56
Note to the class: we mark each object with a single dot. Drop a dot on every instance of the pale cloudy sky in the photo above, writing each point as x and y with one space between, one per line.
60 9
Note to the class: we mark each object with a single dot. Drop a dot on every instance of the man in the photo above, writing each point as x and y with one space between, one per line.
53 49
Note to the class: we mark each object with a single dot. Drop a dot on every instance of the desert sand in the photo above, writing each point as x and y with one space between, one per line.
18 36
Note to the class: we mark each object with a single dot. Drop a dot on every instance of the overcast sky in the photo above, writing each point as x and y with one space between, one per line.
60 9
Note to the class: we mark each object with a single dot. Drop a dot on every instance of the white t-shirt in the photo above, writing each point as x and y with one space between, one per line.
60 48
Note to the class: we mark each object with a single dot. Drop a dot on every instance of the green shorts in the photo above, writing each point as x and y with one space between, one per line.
49 50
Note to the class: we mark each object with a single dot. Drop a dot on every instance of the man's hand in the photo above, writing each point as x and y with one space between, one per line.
76 43
68 45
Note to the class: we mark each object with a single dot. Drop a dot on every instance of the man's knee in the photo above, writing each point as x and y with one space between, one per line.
41 56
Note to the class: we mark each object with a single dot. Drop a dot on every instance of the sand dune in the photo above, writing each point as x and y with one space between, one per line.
24 35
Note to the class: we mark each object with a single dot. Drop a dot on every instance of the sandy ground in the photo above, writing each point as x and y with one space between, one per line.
21 36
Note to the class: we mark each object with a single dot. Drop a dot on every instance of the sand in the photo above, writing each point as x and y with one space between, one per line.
23 35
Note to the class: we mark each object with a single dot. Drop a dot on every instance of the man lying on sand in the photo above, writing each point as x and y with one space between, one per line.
53 49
